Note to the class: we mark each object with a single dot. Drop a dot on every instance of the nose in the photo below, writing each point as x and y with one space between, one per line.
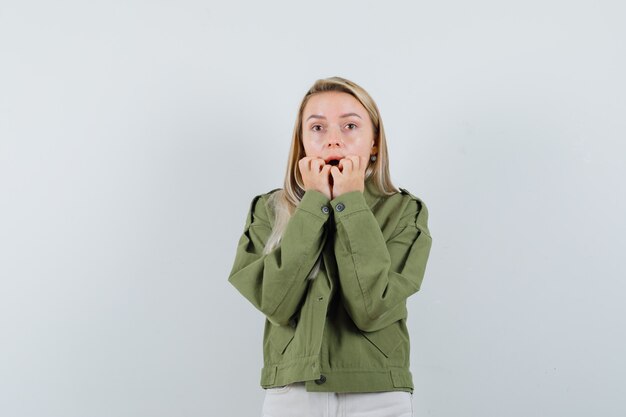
334 137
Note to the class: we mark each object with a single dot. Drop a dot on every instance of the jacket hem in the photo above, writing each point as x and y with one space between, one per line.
354 380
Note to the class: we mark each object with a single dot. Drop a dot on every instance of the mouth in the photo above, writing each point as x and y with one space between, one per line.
333 160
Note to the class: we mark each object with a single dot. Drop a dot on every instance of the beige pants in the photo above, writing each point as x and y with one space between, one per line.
294 401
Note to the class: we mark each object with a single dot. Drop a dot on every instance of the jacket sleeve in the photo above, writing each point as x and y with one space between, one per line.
276 282
377 276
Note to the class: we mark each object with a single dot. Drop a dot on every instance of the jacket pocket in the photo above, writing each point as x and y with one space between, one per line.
386 340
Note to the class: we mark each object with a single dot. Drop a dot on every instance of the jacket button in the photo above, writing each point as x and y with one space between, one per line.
321 380
325 209
340 207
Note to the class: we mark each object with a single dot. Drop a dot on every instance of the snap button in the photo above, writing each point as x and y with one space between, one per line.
325 209
321 380
340 207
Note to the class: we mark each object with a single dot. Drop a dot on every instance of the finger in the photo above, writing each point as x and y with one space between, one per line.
356 163
347 163
361 163
313 165
317 164
302 168
304 163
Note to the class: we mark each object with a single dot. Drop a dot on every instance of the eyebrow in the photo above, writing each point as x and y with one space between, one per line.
317 116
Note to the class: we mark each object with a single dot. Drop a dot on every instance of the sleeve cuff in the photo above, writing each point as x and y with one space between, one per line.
315 203
348 203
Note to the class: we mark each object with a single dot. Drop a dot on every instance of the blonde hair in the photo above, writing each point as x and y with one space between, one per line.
282 203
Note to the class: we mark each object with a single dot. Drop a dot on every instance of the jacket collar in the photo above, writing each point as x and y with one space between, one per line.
370 192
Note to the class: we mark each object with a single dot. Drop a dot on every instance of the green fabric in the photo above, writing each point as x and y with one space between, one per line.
344 330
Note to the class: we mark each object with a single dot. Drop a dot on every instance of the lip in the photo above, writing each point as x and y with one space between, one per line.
330 158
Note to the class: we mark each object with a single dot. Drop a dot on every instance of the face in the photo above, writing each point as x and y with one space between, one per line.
334 125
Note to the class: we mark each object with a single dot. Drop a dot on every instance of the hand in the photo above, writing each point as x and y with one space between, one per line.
349 175
315 175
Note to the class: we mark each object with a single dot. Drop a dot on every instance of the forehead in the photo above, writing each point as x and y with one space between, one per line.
333 103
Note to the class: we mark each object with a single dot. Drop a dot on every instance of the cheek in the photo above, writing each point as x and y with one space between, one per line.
310 147
311 141
361 147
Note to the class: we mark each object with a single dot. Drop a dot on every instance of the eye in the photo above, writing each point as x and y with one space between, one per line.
352 124
314 128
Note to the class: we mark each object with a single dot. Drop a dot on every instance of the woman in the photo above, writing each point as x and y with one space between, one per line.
330 260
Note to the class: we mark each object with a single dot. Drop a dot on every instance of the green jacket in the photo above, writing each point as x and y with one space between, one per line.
345 329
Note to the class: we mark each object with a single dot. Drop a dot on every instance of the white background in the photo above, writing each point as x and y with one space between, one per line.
134 134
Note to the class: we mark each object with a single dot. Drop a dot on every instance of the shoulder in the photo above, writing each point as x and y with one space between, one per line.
258 209
415 208
410 196
264 196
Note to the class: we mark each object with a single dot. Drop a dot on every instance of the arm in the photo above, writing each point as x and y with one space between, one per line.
377 276
276 282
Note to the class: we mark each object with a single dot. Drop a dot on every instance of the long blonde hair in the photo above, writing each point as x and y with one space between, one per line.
282 203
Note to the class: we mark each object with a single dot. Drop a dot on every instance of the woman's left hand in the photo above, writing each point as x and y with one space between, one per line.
349 175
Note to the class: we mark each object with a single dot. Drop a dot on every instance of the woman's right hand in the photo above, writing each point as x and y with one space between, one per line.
315 174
